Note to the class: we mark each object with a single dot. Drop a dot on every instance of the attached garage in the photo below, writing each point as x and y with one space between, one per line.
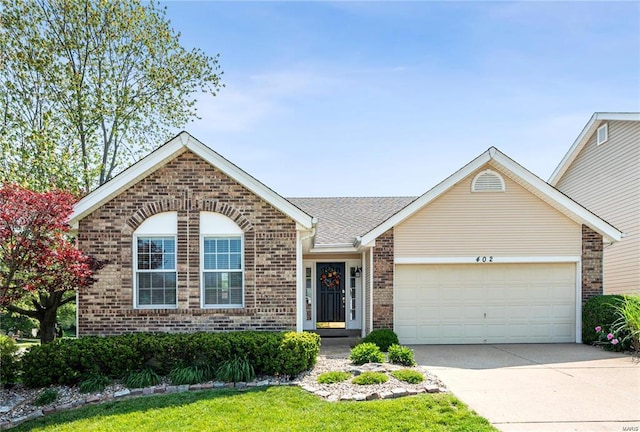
485 303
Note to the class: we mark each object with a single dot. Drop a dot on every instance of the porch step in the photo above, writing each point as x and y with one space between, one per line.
338 333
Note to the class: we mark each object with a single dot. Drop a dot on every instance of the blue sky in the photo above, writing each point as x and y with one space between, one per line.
389 98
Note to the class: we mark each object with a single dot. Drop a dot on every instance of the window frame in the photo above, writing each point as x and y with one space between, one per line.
136 270
203 303
605 128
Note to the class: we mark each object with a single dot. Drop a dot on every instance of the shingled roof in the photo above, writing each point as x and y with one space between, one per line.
342 219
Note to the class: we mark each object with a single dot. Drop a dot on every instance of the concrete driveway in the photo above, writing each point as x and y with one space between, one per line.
540 387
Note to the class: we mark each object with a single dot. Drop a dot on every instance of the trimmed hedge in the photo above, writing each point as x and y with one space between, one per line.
67 361
383 338
8 360
599 311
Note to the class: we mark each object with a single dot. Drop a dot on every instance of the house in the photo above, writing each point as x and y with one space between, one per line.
492 254
601 171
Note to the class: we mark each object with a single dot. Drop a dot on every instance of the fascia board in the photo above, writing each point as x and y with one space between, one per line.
429 196
578 212
584 136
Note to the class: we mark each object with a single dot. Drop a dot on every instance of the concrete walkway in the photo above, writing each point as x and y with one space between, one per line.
554 387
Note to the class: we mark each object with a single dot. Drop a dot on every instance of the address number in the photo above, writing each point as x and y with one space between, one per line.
484 259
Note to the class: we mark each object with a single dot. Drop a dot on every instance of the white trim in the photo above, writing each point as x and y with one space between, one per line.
551 195
583 138
365 278
300 288
168 151
605 128
134 267
371 288
579 301
331 249
493 259
203 305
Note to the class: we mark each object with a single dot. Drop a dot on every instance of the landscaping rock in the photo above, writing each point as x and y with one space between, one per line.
431 388
333 398
241 385
122 393
262 383
323 393
359 397
398 392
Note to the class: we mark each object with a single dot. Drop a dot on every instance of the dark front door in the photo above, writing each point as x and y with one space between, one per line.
331 292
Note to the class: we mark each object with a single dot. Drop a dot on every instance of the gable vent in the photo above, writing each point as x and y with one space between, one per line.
488 181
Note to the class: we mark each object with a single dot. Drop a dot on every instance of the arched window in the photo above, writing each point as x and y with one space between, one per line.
154 262
222 261
488 181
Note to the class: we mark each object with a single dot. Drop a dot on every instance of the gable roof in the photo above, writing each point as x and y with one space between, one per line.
343 219
516 172
181 142
592 125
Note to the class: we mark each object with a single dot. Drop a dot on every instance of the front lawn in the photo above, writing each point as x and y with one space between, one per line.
266 409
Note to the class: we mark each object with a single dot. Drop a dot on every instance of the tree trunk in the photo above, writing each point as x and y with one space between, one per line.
48 326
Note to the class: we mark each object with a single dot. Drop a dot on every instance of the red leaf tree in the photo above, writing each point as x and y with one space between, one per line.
40 266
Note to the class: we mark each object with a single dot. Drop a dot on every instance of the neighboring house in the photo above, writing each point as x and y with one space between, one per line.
601 171
493 254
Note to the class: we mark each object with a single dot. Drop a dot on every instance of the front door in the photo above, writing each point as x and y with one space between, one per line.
331 295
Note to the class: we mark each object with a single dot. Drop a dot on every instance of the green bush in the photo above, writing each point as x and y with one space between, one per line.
47 397
93 383
236 369
333 377
194 374
66 361
627 326
368 378
408 375
402 355
599 311
366 353
146 377
9 365
383 338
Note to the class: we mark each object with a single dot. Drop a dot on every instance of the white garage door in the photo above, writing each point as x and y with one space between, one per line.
485 303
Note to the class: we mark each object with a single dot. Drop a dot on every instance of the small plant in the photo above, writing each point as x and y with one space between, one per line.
366 353
368 378
401 355
143 378
333 377
408 375
383 338
236 369
47 397
93 383
628 322
191 374
8 360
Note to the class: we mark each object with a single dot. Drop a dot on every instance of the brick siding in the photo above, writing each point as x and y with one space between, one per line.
383 281
188 185
591 264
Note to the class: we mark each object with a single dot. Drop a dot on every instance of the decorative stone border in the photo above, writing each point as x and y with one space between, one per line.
387 394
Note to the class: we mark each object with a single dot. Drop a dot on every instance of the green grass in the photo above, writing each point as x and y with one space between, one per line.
265 409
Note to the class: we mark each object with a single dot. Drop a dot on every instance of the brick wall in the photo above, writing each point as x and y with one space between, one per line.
591 263
188 185
383 281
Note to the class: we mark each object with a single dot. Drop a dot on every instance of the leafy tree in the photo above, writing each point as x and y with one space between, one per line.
86 87
40 267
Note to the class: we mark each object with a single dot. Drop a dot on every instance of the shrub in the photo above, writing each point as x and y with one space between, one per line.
9 365
628 323
146 377
46 397
599 311
191 374
408 375
366 353
383 338
298 352
333 377
93 383
402 355
368 378
237 369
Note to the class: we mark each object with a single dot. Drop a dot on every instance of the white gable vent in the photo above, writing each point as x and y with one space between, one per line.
487 181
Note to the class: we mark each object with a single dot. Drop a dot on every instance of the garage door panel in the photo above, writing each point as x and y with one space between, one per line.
497 303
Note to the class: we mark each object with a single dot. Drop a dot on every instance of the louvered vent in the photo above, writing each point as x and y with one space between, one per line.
488 181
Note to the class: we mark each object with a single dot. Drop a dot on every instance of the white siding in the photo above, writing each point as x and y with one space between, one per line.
606 179
510 223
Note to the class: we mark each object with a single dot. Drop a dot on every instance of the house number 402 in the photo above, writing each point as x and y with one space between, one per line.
484 259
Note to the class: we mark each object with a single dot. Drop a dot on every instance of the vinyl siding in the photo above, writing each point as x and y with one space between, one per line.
606 179
510 223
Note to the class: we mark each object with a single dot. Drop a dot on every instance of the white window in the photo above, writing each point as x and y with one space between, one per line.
603 133
222 257
488 181
154 262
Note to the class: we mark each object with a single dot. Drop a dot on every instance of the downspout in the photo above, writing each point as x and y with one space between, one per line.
300 276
